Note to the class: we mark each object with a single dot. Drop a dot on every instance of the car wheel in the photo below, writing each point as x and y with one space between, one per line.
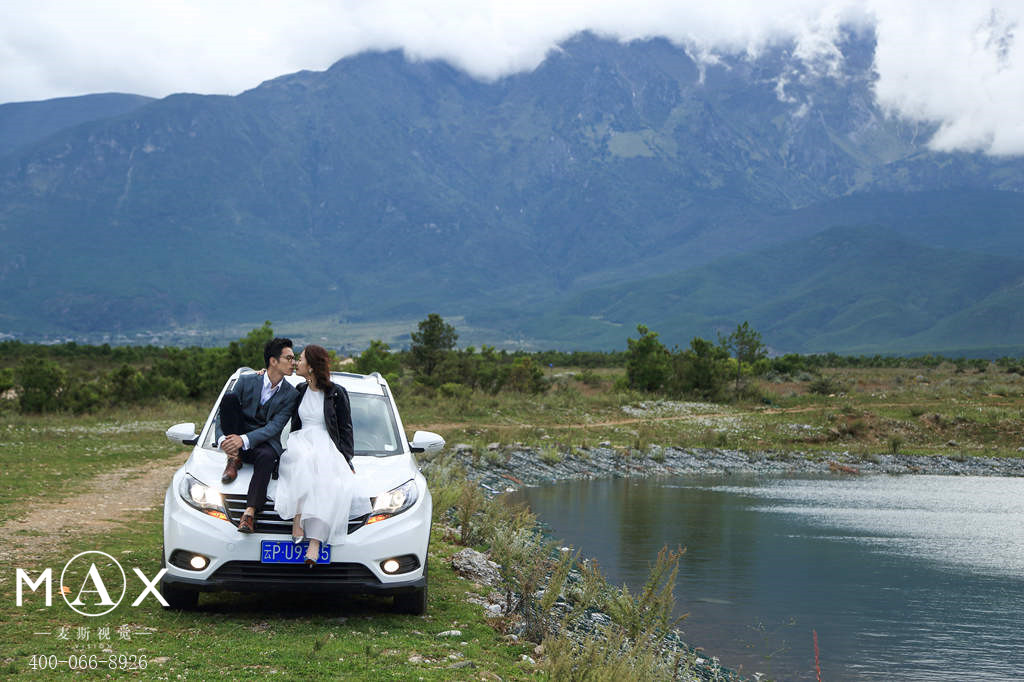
178 598
414 602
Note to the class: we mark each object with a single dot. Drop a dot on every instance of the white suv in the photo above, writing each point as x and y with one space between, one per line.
386 550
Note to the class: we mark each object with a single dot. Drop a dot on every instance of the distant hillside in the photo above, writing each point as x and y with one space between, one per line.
857 289
24 123
551 207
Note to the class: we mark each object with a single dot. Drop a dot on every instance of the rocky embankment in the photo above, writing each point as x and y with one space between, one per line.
507 467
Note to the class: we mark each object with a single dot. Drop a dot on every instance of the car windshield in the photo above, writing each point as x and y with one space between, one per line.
373 427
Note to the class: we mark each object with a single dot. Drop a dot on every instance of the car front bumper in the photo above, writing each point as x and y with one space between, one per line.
234 558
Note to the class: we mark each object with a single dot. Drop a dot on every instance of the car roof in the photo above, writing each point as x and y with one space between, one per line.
353 383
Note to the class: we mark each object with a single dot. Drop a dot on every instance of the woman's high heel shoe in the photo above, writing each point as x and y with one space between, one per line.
299 537
312 553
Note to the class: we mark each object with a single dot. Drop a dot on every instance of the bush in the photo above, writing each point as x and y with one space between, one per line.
524 376
533 575
701 371
6 380
647 361
647 617
824 384
378 358
83 396
40 384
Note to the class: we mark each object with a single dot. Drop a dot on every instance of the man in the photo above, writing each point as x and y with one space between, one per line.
250 420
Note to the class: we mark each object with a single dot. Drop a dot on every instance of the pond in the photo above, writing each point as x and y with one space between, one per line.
901 577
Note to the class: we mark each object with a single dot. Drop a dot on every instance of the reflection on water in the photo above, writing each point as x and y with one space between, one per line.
903 578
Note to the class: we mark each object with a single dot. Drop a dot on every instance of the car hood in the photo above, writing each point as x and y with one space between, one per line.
374 475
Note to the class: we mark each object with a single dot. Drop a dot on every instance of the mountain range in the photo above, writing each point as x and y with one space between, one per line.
615 184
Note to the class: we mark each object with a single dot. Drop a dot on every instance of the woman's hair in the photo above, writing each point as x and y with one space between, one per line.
320 363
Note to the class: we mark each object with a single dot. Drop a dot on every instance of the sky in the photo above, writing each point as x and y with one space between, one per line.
958 64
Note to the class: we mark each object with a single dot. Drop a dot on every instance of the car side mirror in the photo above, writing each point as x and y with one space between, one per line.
426 441
183 433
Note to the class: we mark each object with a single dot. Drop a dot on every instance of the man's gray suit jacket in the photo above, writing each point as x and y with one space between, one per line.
264 426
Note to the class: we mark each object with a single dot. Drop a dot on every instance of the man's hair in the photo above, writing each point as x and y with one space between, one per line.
274 347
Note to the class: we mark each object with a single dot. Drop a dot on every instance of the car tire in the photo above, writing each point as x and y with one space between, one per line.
415 602
178 598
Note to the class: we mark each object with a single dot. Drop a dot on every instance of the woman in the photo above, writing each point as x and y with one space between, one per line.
316 482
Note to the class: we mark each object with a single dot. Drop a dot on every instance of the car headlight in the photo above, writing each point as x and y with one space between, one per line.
394 501
202 497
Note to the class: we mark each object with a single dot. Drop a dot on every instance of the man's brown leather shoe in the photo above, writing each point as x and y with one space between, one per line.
245 523
231 470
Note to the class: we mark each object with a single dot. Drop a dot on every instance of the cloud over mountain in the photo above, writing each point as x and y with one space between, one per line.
958 65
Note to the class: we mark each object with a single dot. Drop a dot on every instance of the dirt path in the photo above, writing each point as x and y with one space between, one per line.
111 500
559 425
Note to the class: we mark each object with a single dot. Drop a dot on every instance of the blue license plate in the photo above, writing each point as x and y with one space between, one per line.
286 552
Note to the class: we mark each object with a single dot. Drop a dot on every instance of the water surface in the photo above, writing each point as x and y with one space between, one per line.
903 578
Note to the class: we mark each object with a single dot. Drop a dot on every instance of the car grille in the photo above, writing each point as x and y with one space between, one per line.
267 520
340 573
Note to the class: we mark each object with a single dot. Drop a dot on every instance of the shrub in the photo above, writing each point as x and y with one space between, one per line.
647 616
40 384
647 361
825 384
525 376
6 380
457 392
549 455
700 371
471 500
83 396
533 575
378 358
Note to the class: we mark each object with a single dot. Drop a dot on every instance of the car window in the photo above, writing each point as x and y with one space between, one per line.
373 427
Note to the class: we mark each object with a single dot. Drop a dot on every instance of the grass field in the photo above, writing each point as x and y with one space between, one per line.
914 411
231 636
63 477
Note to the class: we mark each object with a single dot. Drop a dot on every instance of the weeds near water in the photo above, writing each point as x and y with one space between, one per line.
532 576
550 455
647 616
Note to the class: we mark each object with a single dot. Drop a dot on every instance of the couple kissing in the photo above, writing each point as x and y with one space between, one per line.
315 475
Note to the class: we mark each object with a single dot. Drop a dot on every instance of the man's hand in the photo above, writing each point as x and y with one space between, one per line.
231 444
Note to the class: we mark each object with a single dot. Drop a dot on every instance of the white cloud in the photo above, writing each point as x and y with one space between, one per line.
959 64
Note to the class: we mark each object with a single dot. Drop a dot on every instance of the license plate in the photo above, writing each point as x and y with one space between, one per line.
286 552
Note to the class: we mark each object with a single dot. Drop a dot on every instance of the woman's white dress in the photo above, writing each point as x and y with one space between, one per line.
314 478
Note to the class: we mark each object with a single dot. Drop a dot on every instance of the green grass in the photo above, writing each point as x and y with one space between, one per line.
979 413
240 636
38 452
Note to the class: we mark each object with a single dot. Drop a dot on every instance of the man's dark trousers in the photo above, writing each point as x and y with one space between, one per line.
262 457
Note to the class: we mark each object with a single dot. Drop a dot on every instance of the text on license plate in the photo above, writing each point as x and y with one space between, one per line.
285 552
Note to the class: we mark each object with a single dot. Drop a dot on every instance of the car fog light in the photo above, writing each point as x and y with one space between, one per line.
400 564
190 561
